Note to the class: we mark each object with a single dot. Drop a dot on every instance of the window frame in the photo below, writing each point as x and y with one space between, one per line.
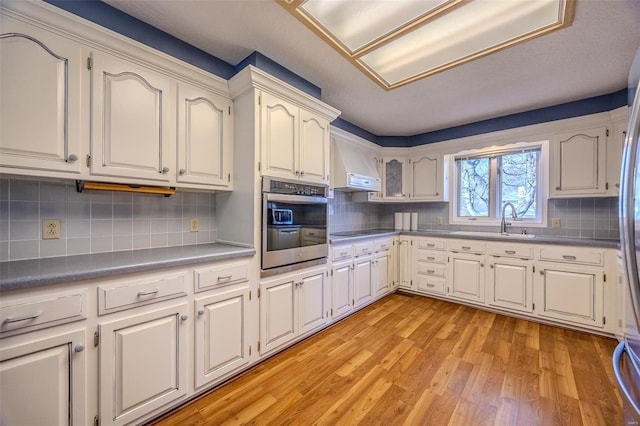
494 218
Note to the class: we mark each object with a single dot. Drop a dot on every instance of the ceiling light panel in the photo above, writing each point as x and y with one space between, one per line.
396 42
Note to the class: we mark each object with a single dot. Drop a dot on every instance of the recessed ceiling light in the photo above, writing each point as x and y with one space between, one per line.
397 42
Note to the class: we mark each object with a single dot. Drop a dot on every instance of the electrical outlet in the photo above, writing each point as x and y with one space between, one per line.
51 229
194 224
438 220
555 222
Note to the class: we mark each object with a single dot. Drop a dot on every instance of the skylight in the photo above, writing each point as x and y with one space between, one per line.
396 42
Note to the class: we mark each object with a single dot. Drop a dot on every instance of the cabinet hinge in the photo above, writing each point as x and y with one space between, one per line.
533 307
229 109
96 421
411 283
534 269
96 339
604 277
411 242
259 165
606 185
353 302
332 272
88 161
229 177
259 99
89 62
331 311
604 320
249 350
258 298
258 346
249 296
607 132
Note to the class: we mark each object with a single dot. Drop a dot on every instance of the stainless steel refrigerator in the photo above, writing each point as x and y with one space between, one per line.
626 357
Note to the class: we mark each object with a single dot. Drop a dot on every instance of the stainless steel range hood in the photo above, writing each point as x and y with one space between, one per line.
353 170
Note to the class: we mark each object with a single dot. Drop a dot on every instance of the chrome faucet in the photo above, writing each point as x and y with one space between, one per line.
514 215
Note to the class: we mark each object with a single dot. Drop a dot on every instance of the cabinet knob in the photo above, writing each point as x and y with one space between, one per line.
184 317
182 171
165 170
558 188
541 271
78 348
301 172
72 157
482 265
201 311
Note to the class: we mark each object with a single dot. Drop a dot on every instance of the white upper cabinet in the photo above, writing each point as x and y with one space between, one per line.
131 121
428 178
295 142
615 144
40 106
394 181
205 137
579 163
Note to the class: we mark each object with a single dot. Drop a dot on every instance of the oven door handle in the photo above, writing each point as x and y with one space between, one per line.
295 199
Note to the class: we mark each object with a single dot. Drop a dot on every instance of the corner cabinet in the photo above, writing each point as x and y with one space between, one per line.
294 141
41 103
578 165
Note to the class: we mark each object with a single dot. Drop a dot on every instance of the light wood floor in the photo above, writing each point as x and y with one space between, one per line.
420 361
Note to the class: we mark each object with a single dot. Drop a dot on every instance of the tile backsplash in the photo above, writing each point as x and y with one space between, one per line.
97 221
579 218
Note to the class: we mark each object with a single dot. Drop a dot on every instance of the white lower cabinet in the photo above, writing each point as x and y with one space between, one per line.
142 363
382 274
403 261
509 284
221 340
362 280
341 289
570 293
291 306
466 277
42 381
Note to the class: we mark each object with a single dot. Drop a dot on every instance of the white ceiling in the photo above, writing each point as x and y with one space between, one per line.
590 58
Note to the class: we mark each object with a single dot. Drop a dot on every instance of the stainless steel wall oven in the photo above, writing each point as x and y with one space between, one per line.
294 225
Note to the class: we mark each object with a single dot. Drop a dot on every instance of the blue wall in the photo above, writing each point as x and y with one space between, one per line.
109 17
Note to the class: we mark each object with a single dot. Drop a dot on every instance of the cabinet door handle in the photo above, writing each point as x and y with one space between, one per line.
430 271
491 266
541 271
510 251
482 265
72 157
224 277
568 257
431 258
148 292
466 248
301 172
431 285
9 320
201 311
184 317
431 245
182 172
78 348
165 170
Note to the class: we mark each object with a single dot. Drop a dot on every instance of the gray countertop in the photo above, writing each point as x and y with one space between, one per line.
23 274
353 236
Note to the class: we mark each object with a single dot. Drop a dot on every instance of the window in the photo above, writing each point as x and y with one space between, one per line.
487 179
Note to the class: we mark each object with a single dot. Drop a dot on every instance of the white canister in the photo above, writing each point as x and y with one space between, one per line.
406 221
397 221
414 221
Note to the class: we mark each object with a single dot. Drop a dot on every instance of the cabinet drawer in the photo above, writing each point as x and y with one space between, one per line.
431 256
342 252
362 249
113 298
430 244
431 285
380 246
467 246
572 255
433 269
511 250
219 276
34 313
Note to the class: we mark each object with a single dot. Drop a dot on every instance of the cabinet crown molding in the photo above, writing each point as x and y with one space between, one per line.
254 78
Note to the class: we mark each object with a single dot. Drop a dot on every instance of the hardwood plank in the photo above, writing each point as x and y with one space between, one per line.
415 360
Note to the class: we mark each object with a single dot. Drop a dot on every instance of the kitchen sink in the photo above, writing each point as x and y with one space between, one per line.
493 235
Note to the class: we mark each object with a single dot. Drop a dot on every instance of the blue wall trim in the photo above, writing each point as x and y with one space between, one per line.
258 60
543 115
113 19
